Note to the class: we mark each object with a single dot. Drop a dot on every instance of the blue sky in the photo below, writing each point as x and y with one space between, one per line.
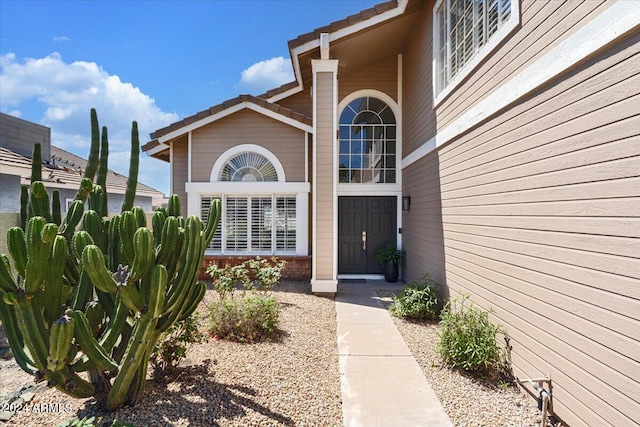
151 61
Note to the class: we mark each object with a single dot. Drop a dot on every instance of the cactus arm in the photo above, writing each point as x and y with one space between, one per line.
30 330
215 211
82 292
89 345
174 206
113 330
132 180
12 331
94 152
70 383
7 283
93 264
115 252
143 253
86 187
101 178
198 295
157 224
40 201
128 227
24 206
37 253
53 288
74 215
36 163
56 211
168 240
141 339
157 291
60 342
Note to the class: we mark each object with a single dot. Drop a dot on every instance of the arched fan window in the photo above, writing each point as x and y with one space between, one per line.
248 167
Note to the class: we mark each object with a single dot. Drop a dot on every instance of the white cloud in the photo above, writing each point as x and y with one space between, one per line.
268 74
67 92
61 39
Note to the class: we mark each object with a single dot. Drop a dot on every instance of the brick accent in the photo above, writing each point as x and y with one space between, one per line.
297 268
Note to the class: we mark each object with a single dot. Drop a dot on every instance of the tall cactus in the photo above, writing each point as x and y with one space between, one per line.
93 294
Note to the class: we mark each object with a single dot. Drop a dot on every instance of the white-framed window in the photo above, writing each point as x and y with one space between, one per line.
465 31
367 146
250 224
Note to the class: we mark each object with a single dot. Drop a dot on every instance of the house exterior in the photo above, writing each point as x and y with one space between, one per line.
61 171
509 130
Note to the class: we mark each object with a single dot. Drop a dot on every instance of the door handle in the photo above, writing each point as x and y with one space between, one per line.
364 241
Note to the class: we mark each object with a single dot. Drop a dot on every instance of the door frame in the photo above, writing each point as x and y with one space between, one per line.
378 192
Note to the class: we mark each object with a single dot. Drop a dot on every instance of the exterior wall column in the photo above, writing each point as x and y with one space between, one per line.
325 226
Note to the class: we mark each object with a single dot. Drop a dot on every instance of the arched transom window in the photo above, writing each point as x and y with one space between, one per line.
248 167
367 142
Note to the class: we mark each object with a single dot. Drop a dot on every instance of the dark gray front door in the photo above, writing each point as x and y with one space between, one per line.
365 224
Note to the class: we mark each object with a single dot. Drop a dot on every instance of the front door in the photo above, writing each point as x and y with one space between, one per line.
365 224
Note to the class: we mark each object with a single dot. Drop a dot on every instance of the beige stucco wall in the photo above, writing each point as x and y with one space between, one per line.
536 211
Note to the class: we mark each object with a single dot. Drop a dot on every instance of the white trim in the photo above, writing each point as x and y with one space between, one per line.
244 148
328 286
334 106
306 157
189 140
324 65
399 154
231 110
228 187
314 194
302 223
494 41
157 149
615 22
336 35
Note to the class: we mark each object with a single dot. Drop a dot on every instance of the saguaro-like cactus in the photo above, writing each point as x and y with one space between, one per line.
93 294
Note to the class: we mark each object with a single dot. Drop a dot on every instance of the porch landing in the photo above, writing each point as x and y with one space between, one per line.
382 384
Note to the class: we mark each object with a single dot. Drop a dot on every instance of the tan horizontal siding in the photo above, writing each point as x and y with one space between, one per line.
324 177
543 26
247 127
418 117
180 170
382 76
540 212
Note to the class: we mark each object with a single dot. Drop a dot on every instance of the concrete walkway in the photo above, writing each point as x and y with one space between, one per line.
382 384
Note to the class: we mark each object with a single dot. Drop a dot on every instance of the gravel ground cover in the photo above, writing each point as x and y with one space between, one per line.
468 401
292 380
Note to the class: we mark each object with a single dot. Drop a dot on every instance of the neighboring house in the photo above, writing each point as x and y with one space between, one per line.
510 132
61 171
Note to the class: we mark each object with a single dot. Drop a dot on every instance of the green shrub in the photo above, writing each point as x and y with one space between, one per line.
467 338
417 300
173 345
247 319
91 422
256 274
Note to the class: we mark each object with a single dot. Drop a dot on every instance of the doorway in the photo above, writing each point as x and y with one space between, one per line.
365 225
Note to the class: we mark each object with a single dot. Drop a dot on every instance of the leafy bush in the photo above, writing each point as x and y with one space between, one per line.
390 254
247 319
467 338
417 300
255 274
173 345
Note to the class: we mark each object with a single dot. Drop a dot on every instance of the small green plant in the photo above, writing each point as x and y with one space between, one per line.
390 254
247 319
467 338
265 273
173 345
417 300
226 279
